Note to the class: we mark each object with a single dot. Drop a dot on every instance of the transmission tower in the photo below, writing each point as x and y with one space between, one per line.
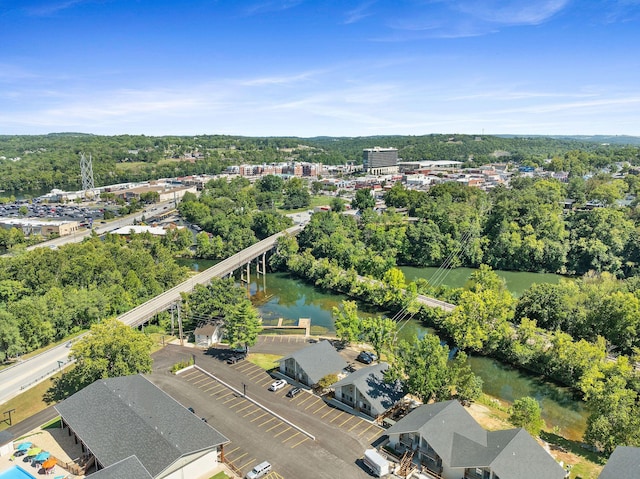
86 170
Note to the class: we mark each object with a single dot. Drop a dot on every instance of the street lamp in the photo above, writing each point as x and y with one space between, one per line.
60 363
244 390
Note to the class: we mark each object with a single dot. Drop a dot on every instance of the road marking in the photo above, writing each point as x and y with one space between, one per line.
370 426
245 366
340 413
355 425
218 388
309 396
246 463
256 418
200 380
300 442
246 407
377 433
251 412
210 388
282 432
189 374
313 404
240 457
265 382
327 413
291 437
321 406
231 451
233 396
275 426
257 373
346 421
267 421
238 404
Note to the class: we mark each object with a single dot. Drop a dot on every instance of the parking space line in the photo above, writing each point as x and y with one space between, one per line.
326 413
300 442
321 406
313 404
244 366
267 421
340 413
346 421
240 457
370 426
355 425
231 393
257 373
246 464
246 407
226 453
252 369
275 426
309 396
252 412
200 380
377 433
219 388
265 382
283 431
261 415
297 433
238 404
189 374
214 385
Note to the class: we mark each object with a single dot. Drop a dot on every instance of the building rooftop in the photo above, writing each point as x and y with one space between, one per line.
318 360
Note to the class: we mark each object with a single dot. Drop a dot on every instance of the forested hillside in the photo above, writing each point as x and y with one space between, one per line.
52 161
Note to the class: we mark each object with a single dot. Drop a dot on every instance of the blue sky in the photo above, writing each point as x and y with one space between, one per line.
309 68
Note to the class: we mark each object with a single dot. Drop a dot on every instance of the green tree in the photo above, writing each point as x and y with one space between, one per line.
363 199
296 194
349 327
110 349
337 205
380 333
525 412
242 325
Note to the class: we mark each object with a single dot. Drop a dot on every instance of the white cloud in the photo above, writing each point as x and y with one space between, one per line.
358 13
511 12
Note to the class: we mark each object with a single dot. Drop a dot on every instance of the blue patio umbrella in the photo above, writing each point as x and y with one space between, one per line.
24 446
41 457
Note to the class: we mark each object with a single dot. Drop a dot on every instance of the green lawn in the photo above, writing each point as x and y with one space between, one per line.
265 361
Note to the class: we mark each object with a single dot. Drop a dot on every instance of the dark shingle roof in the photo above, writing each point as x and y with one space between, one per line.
370 383
623 462
438 422
129 468
120 417
318 360
461 442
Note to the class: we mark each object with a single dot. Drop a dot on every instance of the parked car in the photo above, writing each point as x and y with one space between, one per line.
279 384
259 471
293 392
234 359
364 357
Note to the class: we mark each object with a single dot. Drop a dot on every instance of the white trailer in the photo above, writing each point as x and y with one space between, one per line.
378 465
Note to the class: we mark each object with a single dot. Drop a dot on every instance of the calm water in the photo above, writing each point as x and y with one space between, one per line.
289 298
516 281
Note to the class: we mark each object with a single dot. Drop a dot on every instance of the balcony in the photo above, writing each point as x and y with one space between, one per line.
472 474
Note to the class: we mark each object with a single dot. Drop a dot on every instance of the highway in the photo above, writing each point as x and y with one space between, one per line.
27 373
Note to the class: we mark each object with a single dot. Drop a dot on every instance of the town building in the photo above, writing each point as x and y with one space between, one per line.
42 228
126 423
624 462
309 365
380 161
366 391
444 439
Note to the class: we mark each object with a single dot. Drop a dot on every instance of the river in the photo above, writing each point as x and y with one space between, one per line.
290 298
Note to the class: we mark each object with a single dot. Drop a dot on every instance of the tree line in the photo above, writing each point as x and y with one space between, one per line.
46 295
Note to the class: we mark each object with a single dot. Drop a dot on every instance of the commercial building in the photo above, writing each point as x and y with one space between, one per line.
42 228
380 161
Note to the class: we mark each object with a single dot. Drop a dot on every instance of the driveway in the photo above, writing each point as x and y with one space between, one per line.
260 433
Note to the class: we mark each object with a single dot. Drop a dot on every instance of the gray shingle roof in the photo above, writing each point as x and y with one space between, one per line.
461 442
129 468
369 381
623 462
120 417
318 360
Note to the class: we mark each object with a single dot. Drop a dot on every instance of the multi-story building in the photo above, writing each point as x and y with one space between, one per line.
380 161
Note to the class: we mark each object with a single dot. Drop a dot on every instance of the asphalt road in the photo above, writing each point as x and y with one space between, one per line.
257 435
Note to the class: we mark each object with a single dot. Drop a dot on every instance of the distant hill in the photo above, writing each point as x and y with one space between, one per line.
600 139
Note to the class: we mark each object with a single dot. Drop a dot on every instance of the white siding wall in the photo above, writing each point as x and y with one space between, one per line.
192 467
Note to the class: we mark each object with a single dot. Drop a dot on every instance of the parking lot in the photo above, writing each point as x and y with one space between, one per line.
257 434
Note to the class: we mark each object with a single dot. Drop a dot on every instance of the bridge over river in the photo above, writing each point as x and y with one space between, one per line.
25 374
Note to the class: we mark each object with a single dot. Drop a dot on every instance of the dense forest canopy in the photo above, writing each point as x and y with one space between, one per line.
43 162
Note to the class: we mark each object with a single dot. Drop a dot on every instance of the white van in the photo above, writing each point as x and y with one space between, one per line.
260 470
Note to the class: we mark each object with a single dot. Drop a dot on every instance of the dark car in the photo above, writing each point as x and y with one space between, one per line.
234 359
293 392
364 357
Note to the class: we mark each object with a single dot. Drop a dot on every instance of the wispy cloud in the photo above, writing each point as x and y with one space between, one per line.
511 12
51 8
360 12
281 80
271 6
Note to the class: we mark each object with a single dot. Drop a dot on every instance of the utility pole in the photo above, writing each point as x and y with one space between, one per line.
172 323
180 327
